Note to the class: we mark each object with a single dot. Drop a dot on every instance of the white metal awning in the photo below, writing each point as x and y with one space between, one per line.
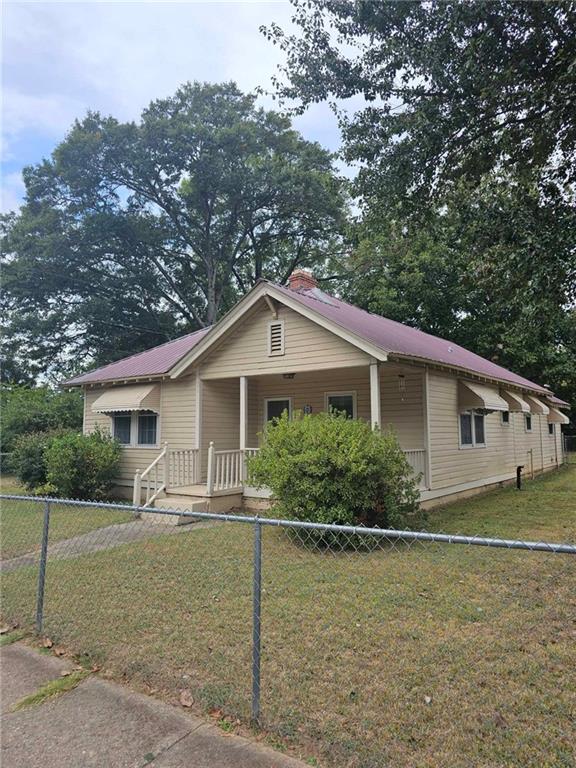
137 397
537 406
473 395
515 402
557 417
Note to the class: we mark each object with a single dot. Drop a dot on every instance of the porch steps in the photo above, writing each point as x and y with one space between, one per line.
195 498
185 503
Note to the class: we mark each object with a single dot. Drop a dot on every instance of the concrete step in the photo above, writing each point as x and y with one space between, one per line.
200 504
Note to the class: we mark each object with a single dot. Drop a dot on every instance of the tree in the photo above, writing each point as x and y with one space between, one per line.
494 270
466 147
134 233
25 410
453 89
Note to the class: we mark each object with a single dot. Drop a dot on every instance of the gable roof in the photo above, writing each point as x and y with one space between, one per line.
375 334
402 340
152 362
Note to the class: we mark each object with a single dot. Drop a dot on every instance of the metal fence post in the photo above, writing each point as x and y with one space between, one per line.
42 569
256 606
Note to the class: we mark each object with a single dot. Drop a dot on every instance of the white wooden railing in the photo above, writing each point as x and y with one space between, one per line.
227 470
417 460
183 467
153 479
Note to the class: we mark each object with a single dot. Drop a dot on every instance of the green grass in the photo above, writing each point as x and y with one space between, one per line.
51 689
12 637
420 655
21 522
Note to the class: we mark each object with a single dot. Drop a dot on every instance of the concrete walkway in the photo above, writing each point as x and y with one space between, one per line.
103 725
107 537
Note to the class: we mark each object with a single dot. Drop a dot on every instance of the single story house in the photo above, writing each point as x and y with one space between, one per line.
188 412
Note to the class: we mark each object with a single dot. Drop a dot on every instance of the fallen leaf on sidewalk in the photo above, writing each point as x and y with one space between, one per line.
186 699
59 651
215 713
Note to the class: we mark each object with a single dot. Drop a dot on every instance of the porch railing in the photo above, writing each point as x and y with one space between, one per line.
226 470
183 467
152 480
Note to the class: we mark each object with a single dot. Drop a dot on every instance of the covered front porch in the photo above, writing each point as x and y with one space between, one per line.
231 414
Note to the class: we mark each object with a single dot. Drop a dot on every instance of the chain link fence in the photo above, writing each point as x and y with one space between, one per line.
349 646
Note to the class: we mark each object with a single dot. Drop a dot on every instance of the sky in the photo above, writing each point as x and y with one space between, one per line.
61 59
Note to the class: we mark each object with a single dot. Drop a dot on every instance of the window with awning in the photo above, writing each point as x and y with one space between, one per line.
473 396
516 403
136 397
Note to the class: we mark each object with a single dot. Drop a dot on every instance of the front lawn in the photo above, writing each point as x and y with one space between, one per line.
21 522
420 655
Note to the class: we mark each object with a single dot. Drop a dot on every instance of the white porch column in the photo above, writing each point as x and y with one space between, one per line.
375 419
198 413
198 428
243 423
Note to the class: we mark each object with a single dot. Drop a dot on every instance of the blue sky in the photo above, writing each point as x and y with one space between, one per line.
63 58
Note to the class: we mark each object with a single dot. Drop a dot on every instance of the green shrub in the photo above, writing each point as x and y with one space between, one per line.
25 410
83 466
28 459
329 469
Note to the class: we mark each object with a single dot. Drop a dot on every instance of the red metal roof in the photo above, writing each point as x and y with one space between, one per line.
403 340
152 362
388 335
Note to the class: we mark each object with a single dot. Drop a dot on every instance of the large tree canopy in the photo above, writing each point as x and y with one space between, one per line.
135 232
465 140
494 270
454 88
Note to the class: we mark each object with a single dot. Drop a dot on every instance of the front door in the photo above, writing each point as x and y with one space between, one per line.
275 407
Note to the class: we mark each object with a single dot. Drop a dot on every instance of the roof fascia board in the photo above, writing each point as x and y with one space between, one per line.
265 290
458 371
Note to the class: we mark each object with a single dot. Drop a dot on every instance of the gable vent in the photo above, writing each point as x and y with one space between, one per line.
276 338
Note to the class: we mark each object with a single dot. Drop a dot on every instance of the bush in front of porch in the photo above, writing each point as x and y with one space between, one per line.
328 468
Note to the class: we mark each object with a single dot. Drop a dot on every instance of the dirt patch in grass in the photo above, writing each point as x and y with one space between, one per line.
420 655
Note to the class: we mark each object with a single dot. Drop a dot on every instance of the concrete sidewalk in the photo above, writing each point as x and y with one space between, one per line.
103 725
107 537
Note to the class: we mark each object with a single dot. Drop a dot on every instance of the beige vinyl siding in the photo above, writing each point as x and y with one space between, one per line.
220 416
401 411
178 413
176 424
507 446
307 347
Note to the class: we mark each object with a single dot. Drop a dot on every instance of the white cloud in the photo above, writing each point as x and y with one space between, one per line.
12 192
63 58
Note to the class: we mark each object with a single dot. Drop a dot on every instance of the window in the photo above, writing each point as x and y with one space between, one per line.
121 428
275 407
472 430
466 436
479 429
147 428
276 337
505 417
528 422
342 402
551 430
135 428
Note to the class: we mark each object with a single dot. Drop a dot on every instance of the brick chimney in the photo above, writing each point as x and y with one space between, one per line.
301 279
